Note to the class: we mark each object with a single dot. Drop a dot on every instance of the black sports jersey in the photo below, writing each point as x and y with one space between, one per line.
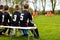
1 13
6 18
16 18
24 16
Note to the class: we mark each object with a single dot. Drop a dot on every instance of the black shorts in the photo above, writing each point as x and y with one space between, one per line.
15 24
23 24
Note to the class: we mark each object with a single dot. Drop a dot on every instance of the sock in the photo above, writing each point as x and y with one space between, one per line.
12 31
25 32
21 32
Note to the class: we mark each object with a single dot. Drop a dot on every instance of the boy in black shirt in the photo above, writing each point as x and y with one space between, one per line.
16 18
25 16
1 13
6 19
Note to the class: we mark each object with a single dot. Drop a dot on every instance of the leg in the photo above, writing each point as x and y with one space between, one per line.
1 32
35 32
12 32
5 30
9 31
21 32
25 32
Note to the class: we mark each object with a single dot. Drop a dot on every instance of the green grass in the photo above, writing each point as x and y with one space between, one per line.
49 29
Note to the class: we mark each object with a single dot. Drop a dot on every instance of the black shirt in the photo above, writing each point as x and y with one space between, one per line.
16 18
24 16
6 18
1 13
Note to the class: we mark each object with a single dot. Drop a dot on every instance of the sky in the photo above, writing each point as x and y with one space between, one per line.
39 5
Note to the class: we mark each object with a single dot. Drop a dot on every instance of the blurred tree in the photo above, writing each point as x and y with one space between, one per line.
30 10
17 1
6 2
0 1
53 2
43 5
35 5
21 4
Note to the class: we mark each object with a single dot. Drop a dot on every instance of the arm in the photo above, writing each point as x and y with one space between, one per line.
9 19
30 17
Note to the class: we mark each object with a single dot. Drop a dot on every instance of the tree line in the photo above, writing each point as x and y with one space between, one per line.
53 4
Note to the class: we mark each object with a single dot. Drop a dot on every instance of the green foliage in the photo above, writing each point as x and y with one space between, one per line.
11 10
6 0
17 1
57 12
30 10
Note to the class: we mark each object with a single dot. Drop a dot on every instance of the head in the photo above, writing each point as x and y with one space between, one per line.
26 6
6 8
17 7
1 7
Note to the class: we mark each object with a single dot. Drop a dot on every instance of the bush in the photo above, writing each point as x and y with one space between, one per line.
57 12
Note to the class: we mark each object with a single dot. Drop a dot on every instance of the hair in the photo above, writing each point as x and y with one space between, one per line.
26 6
17 7
6 7
1 6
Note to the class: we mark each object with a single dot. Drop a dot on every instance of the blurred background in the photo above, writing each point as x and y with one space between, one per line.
39 6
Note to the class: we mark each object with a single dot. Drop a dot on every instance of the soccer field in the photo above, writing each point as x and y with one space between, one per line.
49 29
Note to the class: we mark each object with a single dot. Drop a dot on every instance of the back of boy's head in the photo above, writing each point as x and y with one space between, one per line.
1 6
17 7
6 7
26 6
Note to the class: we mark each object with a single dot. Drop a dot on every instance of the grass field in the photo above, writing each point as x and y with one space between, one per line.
49 29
